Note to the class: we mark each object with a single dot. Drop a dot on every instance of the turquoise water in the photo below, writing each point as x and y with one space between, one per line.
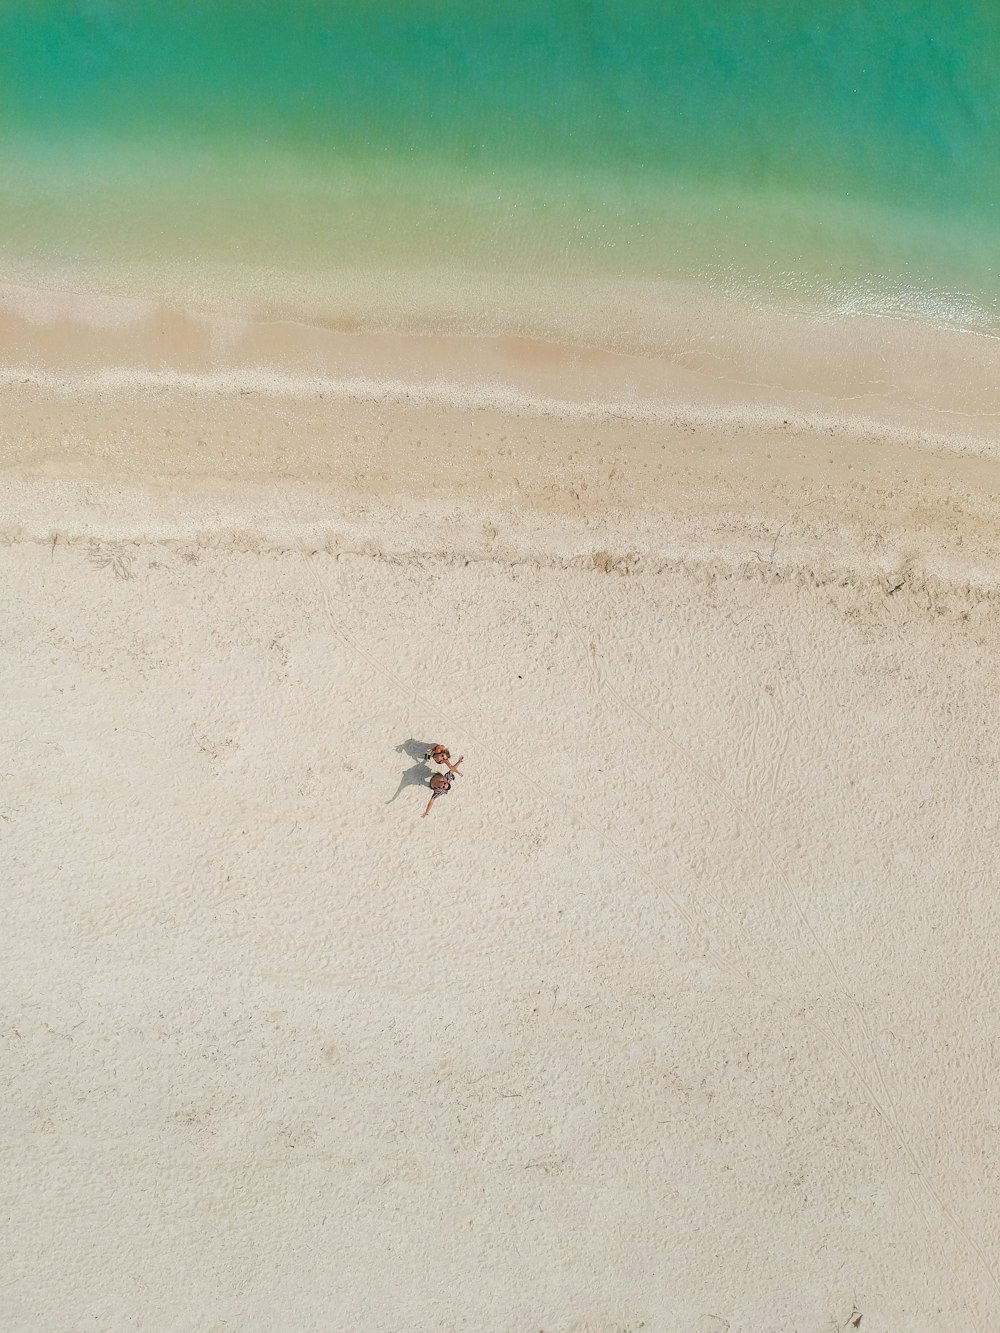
830 149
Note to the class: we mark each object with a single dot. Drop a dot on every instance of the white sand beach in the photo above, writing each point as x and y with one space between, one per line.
678 1014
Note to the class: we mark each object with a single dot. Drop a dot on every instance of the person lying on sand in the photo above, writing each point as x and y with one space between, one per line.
440 754
441 786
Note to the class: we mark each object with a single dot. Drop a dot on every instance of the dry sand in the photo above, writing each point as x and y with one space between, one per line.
679 1014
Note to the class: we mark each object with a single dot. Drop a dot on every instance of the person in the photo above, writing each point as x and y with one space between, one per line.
440 786
440 754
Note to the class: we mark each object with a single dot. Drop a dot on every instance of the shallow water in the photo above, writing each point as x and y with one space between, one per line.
843 155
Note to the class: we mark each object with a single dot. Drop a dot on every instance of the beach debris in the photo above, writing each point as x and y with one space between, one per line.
111 557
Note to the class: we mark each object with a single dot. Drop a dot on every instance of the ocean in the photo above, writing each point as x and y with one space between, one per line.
318 158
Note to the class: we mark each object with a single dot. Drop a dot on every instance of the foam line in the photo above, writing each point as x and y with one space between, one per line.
482 395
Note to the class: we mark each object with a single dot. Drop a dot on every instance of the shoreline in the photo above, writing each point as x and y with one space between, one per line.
599 347
485 395
126 419
130 419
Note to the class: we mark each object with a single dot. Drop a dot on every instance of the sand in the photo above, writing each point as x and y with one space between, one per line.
678 1014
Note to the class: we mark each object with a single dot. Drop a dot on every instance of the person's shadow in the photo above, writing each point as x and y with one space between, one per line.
420 773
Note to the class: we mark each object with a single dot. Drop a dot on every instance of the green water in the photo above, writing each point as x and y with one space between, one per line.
849 152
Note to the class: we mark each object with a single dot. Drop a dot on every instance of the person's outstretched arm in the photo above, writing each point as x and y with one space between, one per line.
454 766
428 810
